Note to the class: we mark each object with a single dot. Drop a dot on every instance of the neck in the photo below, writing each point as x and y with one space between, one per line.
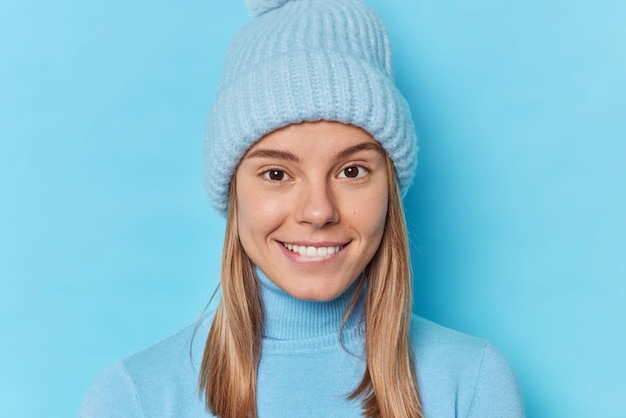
290 319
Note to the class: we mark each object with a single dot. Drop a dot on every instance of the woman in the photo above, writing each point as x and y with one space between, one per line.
309 149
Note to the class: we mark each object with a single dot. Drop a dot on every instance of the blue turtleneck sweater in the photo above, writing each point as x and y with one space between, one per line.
306 372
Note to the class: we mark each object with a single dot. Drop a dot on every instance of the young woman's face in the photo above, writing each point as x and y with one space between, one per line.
312 202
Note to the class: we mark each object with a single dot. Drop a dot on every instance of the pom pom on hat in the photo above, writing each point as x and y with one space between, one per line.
259 7
306 60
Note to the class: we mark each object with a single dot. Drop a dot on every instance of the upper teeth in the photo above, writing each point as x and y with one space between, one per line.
312 251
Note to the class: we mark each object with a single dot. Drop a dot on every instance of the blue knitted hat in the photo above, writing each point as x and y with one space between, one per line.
306 60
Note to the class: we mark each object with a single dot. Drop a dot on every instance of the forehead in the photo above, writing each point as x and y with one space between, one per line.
311 138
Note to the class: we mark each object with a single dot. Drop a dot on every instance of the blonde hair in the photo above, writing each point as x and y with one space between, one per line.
233 348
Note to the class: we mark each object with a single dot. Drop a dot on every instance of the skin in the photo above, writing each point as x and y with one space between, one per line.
321 189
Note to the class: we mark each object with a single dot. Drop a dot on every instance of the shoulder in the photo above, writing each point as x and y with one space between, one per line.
461 374
159 381
112 394
432 341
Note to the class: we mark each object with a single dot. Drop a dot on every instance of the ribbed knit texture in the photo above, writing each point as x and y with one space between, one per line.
306 372
306 60
293 324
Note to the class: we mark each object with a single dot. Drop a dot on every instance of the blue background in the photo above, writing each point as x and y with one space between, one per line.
517 215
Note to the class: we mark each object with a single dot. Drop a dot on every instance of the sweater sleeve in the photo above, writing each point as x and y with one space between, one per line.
112 395
496 394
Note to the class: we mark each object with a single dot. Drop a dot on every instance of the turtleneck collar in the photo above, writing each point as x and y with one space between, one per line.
290 322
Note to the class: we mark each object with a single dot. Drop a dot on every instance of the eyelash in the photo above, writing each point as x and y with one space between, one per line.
266 175
361 172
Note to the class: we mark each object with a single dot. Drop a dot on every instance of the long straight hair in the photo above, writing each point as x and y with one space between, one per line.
230 363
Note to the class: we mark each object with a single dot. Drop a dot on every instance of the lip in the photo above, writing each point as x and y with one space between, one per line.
307 251
316 243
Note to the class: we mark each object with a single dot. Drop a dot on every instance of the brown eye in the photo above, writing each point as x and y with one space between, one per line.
276 175
352 172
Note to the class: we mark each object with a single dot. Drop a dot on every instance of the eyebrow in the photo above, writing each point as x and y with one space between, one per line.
272 153
364 146
288 156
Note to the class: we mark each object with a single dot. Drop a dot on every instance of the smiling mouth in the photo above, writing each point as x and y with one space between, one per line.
310 251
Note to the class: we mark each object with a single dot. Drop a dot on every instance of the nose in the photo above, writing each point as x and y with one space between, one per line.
317 206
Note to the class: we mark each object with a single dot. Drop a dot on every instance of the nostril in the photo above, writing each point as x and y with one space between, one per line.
318 208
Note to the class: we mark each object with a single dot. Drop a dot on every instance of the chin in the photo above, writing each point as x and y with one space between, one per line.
316 296
317 292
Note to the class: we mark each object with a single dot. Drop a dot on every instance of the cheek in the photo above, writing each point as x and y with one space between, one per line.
368 217
256 213
245 213
379 218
